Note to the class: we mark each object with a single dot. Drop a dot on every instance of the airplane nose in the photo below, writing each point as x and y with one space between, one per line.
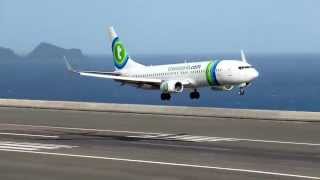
255 74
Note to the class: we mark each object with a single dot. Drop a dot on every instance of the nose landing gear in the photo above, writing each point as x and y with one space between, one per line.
241 91
165 96
195 94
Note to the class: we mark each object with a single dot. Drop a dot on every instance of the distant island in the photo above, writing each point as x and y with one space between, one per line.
6 53
42 51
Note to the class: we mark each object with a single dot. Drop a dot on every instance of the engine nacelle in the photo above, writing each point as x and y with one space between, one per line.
171 86
222 88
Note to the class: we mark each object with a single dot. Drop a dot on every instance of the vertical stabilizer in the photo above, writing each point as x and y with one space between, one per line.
121 58
112 34
243 56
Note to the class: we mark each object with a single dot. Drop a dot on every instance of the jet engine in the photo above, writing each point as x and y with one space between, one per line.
222 88
171 86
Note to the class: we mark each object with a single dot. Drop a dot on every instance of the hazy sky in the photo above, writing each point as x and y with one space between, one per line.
163 26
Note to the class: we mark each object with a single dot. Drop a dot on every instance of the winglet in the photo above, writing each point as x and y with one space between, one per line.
69 67
243 56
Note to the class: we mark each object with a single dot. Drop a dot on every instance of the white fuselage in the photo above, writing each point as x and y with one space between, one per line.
173 78
200 74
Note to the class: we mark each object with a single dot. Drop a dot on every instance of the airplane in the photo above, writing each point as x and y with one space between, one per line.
222 75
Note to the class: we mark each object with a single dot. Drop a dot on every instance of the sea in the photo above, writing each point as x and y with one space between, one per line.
286 82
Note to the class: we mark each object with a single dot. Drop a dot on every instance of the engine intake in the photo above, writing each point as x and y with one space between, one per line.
222 88
171 86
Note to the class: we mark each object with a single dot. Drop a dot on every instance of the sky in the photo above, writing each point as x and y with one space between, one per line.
163 26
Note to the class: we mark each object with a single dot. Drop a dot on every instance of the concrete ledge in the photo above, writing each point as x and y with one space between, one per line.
165 110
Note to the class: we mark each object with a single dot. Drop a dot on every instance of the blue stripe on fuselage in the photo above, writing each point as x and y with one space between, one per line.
214 73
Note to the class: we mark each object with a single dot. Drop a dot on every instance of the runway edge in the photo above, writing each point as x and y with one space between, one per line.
252 114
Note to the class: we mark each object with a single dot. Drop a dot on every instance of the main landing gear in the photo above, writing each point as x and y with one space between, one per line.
195 94
165 96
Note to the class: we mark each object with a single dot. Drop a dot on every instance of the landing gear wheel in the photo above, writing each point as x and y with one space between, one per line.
241 92
195 95
165 96
168 96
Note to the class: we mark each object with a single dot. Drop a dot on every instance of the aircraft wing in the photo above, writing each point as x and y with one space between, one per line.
114 75
133 80
117 77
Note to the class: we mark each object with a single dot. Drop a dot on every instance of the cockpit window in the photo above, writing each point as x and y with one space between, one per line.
244 67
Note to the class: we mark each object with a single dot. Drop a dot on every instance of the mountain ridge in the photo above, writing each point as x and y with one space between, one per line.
43 50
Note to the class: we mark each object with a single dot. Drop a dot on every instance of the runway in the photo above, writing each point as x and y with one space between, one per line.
66 144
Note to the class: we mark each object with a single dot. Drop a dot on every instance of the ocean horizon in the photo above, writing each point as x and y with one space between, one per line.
286 82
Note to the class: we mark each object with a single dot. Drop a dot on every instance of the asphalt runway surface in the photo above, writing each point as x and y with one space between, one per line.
60 144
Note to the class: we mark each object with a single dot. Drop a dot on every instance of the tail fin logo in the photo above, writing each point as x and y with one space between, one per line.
120 55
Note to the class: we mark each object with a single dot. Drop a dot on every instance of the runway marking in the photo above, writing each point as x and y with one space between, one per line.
80 129
213 139
28 135
18 148
165 136
279 142
167 163
189 138
9 145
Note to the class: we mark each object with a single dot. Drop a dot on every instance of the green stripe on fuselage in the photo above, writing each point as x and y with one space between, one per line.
208 73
